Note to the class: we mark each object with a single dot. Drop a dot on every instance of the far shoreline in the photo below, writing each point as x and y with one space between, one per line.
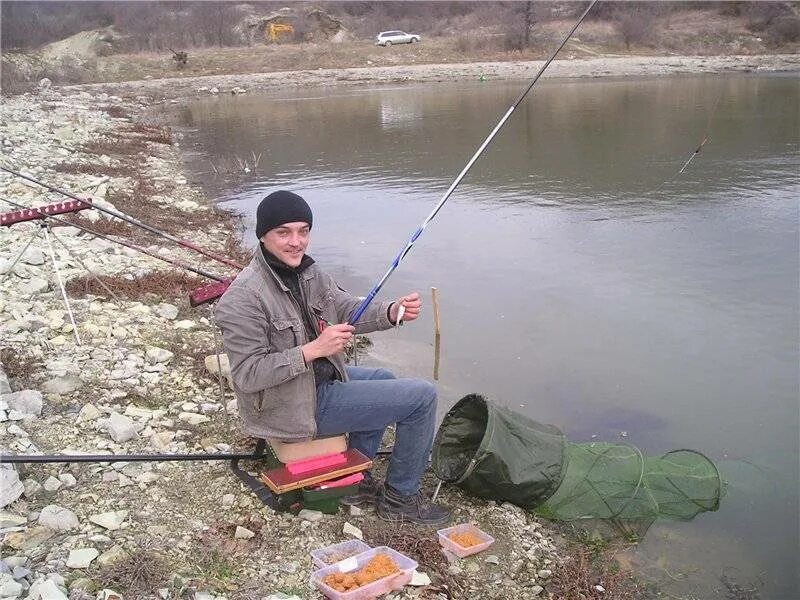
177 88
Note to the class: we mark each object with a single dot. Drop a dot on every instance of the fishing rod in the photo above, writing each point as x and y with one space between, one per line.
131 220
368 299
42 212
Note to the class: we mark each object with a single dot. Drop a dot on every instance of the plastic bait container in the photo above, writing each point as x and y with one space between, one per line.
461 551
371 590
325 557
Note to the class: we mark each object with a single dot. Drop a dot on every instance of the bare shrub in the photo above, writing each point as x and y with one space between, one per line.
138 574
14 80
514 41
635 25
760 15
783 30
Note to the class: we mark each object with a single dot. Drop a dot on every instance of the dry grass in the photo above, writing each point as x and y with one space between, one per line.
138 575
116 112
20 366
593 563
153 287
94 168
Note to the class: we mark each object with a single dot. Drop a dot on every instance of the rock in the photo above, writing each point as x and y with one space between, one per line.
9 519
25 541
17 431
32 488
46 590
121 428
162 439
82 584
166 311
311 516
228 500
419 579
58 518
193 418
492 560
45 83
62 385
185 324
544 574
158 355
15 561
112 555
33 256
536 590
20 573
356 511
349 529
89 412
11 487
68 479
81 558
110 520
242 533
8 587
213 367
35 285
5 386
27 402
600 588
51 484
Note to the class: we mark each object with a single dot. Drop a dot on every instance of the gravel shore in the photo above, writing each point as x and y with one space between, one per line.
627 66
137 383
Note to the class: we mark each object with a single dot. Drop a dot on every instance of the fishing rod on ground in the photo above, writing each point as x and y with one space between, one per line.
414 236
129 219
41 213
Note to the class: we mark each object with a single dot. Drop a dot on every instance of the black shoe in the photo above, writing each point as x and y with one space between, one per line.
393 507
367 494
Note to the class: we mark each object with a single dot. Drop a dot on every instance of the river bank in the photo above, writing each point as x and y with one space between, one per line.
137 383
608 66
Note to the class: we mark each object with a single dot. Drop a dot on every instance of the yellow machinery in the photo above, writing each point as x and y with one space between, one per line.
274 30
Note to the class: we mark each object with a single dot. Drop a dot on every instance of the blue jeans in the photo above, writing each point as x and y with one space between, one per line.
367 404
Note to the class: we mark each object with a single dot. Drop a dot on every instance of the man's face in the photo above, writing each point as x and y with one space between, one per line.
288 242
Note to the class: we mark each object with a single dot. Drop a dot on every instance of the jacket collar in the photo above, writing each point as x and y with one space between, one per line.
272 266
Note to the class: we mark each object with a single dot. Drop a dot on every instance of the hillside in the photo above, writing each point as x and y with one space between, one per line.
340 37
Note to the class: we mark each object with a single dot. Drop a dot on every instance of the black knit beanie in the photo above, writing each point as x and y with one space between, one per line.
279 208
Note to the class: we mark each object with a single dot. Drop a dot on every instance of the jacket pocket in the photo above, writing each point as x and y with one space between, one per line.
285 334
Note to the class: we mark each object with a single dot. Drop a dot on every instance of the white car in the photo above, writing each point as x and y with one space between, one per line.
387 38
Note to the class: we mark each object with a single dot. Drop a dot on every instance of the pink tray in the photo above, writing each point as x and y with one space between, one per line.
460 551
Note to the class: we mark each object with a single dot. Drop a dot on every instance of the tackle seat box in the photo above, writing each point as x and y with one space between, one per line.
323 500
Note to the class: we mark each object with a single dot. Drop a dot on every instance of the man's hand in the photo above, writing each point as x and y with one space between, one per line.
412 303
332 340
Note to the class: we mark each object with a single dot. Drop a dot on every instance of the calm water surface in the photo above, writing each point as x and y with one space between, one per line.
582 281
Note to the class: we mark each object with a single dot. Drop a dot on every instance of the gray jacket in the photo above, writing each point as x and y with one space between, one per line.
262 331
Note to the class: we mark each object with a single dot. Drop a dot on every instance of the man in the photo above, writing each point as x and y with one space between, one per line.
284 324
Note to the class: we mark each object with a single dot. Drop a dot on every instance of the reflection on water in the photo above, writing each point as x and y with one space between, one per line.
582 281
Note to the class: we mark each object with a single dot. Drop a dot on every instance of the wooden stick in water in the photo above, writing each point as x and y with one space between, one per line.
437 328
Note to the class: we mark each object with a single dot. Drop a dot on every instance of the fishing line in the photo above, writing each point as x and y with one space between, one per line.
396 262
